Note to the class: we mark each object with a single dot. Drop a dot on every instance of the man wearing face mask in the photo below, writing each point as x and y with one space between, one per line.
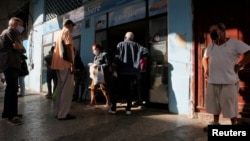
12 43
221 64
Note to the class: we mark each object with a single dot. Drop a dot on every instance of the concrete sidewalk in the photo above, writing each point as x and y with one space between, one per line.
146 124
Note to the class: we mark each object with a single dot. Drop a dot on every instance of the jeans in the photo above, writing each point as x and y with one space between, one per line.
22 85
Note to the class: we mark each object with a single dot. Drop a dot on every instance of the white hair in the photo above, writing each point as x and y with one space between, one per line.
14 20
129 35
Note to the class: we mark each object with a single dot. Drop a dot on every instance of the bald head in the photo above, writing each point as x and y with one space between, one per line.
129 36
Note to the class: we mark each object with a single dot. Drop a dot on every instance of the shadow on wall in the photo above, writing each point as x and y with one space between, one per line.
171 93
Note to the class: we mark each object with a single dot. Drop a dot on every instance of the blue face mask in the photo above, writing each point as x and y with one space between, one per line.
19 28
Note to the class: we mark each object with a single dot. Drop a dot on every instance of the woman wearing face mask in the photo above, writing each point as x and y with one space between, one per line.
100 61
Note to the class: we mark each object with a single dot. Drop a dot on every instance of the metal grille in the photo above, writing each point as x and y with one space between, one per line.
55 8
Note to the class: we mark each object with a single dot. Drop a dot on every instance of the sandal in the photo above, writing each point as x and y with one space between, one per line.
211 123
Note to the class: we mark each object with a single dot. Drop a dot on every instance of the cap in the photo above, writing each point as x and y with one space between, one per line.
68 21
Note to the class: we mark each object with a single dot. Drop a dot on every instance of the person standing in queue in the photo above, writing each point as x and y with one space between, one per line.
127 65
221 66
12 43
51 73
65 71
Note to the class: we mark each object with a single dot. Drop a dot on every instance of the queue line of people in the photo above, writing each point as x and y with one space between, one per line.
124 70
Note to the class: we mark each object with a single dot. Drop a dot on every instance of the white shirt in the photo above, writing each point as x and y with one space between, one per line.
222 59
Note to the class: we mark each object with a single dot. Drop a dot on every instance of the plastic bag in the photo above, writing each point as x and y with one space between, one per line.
99 76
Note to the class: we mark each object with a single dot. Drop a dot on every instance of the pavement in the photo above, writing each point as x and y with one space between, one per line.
144 124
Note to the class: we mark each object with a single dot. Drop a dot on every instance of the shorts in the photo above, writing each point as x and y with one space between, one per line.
222 98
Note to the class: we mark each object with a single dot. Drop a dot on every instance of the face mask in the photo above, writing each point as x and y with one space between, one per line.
19 29
95 52
214 35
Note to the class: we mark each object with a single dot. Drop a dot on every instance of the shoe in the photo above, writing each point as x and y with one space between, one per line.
106 107
48 95
128 112
210 123
15 121
19 116
68 117
79 101
89 107
137 103
111 111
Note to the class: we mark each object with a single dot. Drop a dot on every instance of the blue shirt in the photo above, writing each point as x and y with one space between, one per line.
128 55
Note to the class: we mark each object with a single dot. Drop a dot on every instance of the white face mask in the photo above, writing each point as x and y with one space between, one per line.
95 52
19 28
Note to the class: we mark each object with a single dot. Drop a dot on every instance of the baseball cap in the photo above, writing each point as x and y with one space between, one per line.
68 21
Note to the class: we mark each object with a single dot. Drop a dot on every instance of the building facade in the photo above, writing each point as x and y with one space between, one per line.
175 32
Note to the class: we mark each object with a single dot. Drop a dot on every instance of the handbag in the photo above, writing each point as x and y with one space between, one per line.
99 76
24 69
64 52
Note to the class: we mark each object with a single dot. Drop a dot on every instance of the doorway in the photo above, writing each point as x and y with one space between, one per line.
116 35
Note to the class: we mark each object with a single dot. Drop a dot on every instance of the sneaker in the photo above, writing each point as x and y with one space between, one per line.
128 112
68 117
15 121
79 100
210 123
18 115
111 111
89 107
49 95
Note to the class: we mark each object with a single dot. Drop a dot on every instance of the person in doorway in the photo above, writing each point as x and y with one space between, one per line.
51 73
12 42
127 61
80 75
100 62
23 72
221 64
65 71
2 81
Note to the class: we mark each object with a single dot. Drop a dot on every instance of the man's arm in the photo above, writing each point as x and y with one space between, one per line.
205 66
243 61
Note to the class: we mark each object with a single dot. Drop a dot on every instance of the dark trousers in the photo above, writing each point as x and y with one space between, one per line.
125 88
141 87
10 98
51 76
79 86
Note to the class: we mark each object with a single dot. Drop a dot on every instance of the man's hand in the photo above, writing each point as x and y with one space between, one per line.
72 69
237 67
206 74
18 45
